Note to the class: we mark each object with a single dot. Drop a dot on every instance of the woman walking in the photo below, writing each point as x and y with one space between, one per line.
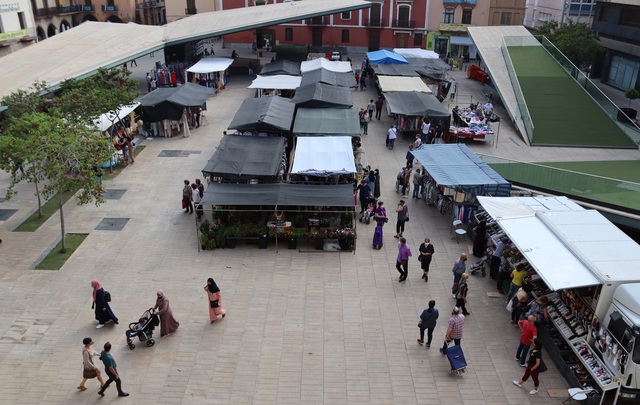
534 367
187 199
428 320
90 370
168 323
215 300
380 217
101 306
426 254
461 295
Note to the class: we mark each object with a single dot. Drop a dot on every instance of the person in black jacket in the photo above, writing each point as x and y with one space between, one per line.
428 320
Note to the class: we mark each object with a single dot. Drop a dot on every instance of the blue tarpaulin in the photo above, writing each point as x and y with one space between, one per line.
383 56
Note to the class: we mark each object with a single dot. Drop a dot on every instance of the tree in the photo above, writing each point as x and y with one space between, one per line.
575 40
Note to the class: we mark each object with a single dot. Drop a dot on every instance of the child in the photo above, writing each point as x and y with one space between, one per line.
138 327
368 213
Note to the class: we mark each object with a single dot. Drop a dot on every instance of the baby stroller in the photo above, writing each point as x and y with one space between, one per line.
367 214
456 359
143 329
479 265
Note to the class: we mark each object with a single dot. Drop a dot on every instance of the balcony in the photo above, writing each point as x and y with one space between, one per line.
190 11
375 22
323 20
109 8
87 8
68 9
41 12
404 24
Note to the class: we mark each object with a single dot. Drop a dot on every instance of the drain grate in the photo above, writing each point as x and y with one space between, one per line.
114 194
112 224
6 214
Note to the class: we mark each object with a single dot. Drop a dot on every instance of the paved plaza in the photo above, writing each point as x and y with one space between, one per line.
303 327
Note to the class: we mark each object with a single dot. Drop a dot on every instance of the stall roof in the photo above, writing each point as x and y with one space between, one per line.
567 245
416 53
105 121
327 121
281 67
323 156
279 194
455 165
334 66
320 95
346 79
210 65
399 83
416 104
395 70
187 95
278 82
240 158
383 56
264 114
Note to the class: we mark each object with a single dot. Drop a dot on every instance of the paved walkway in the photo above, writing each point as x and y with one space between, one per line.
302 327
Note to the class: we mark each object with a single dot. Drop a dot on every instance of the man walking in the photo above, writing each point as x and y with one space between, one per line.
379 103
528 333
403 212
111 369
392 134
428 320
459 268
370 108
461 296
454 329
402 262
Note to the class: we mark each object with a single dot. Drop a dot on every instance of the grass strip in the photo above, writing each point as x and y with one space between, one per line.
56 259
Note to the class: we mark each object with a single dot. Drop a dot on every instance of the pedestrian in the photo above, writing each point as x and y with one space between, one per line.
215 300
428 320
200 187
517 279
148 82
494 264
267 44
519 302
358 151
402 261
154 84
361 117
379 103
459 268
461 295
168 324
538 308
370 107
187 197
128 138
111 368
406 178
417 180
454 329
133 62
363 80
426 254
101 306
196 200
90 370
185 124
480 240
365 195
392 134
426 126
380 217
503 273
197 113
454 89
535 366
528 334
365 122
403 213
371 180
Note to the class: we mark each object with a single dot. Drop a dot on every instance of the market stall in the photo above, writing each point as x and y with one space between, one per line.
395 70
389 84
411 107
333 66
209 72
416 53
326 121
468 124
269 115
281 67
383 56
320 95
346 79
275 85
322 159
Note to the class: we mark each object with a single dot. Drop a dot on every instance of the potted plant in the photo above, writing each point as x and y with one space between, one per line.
631 113
318 237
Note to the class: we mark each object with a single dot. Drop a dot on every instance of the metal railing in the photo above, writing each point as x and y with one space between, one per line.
322 20
403 23
523 109
375 22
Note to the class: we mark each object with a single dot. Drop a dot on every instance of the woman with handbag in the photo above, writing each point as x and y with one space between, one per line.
101 299
535 366
215 300
90 370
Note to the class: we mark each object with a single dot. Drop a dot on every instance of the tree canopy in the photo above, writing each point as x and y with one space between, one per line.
575 40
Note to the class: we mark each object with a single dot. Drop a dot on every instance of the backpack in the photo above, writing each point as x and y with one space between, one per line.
107 296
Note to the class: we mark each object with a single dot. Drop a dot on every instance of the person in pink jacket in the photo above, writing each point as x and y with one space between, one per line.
215 300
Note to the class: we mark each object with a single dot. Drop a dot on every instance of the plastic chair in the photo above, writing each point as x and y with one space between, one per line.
578 394
457 229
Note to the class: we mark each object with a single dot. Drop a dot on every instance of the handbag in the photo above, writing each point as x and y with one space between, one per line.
184 204
454 289
213 304
89 373
542 367
406 220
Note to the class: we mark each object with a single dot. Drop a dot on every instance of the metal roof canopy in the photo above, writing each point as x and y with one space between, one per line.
81 51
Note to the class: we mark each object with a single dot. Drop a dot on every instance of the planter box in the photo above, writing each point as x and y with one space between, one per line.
292 243
630 112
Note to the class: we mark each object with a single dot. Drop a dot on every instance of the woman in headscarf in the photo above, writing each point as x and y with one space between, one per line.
215 300
168 323
480 241
102 309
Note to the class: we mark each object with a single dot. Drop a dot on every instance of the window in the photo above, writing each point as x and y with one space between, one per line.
630 17
375 13
417 39
505 19
448 15
23 22
346 15
288 34
604 13
345 36
466 15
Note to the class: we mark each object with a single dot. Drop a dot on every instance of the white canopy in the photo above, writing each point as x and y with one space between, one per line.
401 83
334 66
416 53
105 121
567 245
278 82
210 65
323 156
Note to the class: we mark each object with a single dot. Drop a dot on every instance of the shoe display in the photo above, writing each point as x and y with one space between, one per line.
517 384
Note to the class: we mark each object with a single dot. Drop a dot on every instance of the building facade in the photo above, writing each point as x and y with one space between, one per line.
177 9
617 22
541 11
17 28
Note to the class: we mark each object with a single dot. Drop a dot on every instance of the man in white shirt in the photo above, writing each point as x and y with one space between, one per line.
426 125
488 108
393 134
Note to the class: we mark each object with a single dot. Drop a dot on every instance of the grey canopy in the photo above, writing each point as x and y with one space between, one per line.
281 67
343 79
279 194
326 121
320 95
169 103
241 158
414 103
431 68
264 114
395 70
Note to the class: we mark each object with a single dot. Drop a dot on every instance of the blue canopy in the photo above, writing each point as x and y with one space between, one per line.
383 56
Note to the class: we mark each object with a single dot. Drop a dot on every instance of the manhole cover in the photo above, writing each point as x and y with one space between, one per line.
114 194
6 214
112 224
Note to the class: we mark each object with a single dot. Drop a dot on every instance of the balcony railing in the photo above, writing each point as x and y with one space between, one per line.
190 11
107 7
68 9
404 24
323 20
375 22
42 12
87 8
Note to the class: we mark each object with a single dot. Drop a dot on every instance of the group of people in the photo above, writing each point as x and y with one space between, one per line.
192 194
104 315
363 73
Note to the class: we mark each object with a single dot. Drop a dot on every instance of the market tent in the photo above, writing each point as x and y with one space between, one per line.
320 95
456 166
416 104
169 103
567 245
210 65
277 82
105 121
322 75
323 156
334 66
395 70
385 57
326 121
281 67
431 68
264 114
279 194
416 53
242 158
399 83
